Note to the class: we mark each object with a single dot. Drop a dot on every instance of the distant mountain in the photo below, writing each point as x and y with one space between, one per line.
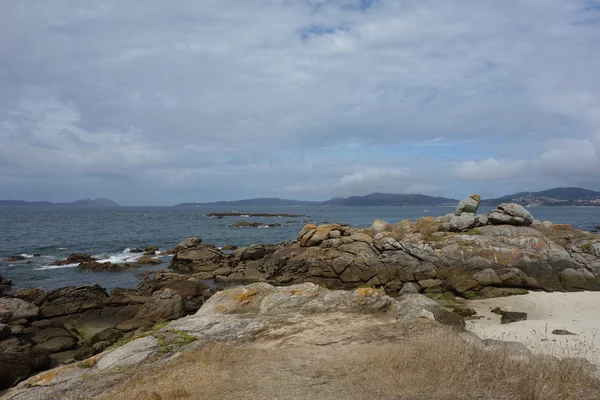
388 199
79 203
254 202
565 196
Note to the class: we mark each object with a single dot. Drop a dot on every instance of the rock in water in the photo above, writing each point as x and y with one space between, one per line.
5 285
468 205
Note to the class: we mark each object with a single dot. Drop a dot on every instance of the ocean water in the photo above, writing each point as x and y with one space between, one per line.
56 232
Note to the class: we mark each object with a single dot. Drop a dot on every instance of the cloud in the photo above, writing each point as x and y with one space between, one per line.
489 169
227 99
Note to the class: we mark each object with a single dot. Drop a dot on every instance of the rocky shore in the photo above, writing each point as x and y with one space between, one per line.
461 255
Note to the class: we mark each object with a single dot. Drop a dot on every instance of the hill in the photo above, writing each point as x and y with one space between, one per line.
561 196
101 202
388 199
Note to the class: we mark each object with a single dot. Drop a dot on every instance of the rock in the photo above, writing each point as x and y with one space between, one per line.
202 258
135 250
30 294
147 260
188 243
107 266
312 235
14 309
13 258
379 226
468 205
547 224
577 279
83 352
75 259
151 250
409 288
4 330
510 214
246 224
72 299
461 223
481 220
5 285
464 311
562 332
229 247
165 305
428 283
18 359
109 335
512 316
54 339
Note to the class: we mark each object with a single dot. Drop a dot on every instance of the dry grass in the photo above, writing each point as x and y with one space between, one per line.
434 365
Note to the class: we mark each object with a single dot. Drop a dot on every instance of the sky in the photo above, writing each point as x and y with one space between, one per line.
155 103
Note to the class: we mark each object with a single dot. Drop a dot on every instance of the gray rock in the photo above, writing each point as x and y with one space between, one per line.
15 309
417 306
409 288
165 305
54 339
461 223
379 226
517 213
468 205
5 285
482 220
547 224
512 316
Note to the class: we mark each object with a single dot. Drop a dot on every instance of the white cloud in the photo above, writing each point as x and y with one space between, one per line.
489 169
178 94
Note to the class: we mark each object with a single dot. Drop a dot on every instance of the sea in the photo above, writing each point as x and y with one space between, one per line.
43 234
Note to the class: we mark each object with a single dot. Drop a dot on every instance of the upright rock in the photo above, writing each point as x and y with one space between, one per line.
468 205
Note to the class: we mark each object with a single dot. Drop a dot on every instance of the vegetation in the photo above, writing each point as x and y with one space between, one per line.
427 365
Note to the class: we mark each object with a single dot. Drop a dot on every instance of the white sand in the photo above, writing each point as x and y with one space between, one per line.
576 312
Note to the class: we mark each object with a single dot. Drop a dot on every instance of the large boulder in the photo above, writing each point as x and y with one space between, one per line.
52 337
12 309
18 360
468 205
460 223
185 244
510 214
72 299
201 258
165 305
312 235
30 294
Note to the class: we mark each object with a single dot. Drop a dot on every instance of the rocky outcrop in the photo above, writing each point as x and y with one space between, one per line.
471 260
41 329
147 260
304 314
468 205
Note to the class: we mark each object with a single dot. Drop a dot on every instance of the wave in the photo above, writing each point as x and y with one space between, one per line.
263 226
27 255
45 267
61 248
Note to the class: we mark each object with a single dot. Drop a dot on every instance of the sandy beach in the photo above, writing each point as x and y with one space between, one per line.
578 313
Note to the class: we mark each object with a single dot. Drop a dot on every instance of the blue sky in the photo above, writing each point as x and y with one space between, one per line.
159 103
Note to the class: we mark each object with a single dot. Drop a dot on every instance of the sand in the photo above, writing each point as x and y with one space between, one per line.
578 313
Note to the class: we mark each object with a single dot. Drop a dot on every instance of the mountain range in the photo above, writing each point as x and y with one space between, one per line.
563 196
79 203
